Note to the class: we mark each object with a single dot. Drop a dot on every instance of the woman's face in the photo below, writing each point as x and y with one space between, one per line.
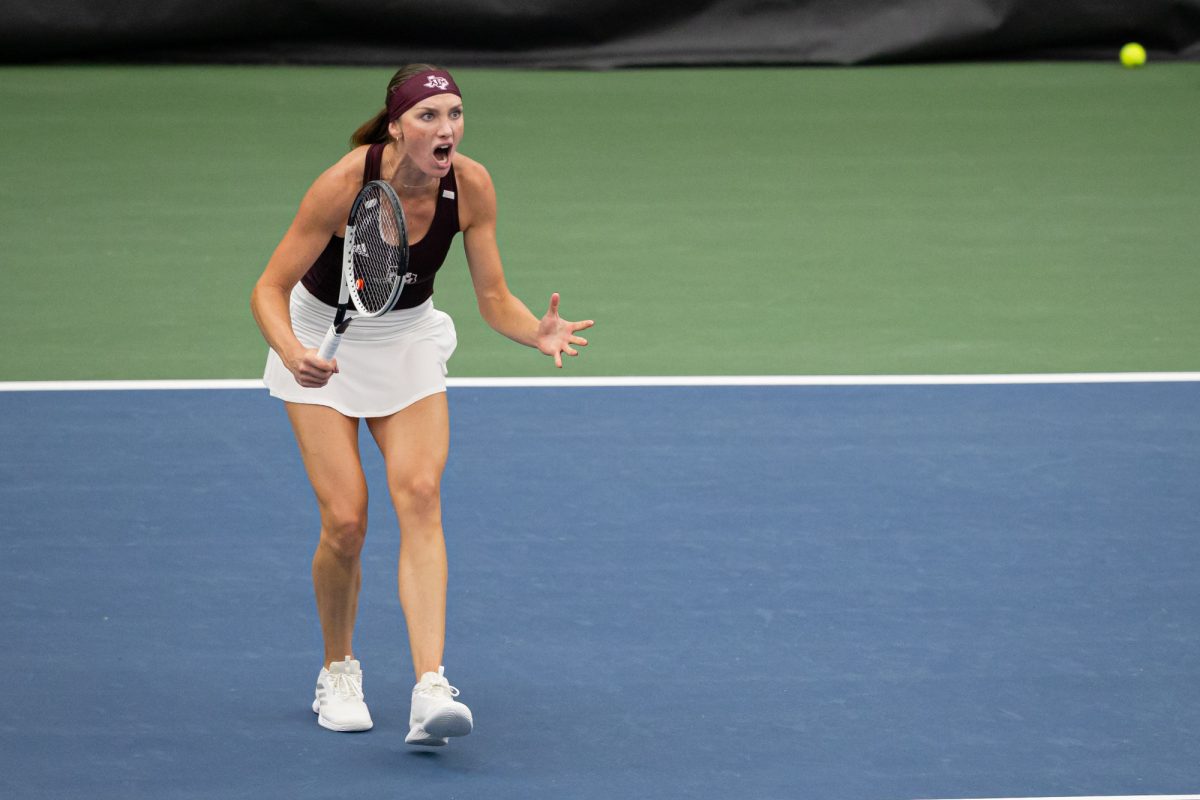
430 132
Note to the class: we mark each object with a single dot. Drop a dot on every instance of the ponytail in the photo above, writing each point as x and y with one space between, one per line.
373 131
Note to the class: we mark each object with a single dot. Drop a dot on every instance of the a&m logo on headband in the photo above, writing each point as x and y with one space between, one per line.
417 88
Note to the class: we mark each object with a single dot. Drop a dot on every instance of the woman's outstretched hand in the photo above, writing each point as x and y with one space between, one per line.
556 335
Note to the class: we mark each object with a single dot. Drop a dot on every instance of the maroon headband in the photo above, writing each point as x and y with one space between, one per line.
417 88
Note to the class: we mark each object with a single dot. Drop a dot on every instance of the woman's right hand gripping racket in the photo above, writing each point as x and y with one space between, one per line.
374 260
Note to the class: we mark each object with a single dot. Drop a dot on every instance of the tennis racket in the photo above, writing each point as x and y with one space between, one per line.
374 260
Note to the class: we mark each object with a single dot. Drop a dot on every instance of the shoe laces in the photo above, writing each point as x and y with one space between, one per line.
436 687
346 687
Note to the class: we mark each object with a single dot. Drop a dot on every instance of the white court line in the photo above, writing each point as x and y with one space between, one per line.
838 380
654 380
124 386
1107 797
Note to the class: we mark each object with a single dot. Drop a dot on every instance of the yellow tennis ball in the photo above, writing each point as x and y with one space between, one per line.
1133 55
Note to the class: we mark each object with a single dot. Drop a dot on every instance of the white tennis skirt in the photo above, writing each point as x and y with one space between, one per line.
384 364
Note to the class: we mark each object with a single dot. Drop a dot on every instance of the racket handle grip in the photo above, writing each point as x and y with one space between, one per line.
330 344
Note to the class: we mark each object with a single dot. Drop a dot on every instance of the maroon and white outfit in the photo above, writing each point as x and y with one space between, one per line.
391 361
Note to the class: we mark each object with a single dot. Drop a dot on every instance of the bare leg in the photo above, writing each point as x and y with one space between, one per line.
329 446
415 443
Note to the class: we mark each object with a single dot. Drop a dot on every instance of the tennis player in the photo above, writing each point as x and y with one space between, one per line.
389 371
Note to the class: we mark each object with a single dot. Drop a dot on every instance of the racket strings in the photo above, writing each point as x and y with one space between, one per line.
378 252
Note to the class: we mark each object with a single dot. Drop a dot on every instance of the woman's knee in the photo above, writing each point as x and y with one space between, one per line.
418 493
344 530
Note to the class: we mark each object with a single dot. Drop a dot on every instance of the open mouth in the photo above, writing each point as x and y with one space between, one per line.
441 154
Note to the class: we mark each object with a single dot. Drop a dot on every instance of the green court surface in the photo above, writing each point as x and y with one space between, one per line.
1037 217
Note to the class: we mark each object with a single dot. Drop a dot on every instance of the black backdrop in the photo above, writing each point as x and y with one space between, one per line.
591 33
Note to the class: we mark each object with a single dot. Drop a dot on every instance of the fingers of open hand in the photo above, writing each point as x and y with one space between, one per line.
559 334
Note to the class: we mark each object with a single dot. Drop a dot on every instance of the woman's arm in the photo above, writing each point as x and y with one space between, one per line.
500 308
322 213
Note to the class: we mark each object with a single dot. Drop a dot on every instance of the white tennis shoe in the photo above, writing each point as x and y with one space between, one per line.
339 703
436 715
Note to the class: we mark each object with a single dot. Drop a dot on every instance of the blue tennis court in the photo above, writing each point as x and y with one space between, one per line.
835 593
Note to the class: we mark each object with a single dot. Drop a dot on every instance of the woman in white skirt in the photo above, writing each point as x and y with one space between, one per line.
389 371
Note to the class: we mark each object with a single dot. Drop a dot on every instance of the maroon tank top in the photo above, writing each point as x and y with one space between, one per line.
324 277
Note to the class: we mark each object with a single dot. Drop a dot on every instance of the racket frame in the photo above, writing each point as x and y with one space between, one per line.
348 293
